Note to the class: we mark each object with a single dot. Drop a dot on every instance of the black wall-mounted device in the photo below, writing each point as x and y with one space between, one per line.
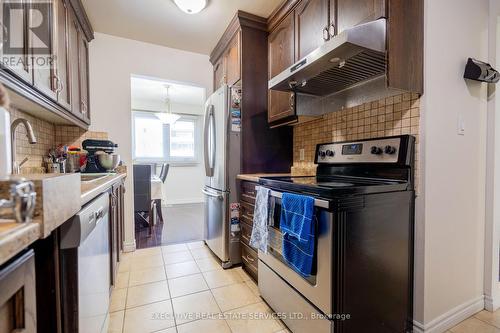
480 71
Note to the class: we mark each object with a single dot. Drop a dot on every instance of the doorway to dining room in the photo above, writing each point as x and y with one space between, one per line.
168 172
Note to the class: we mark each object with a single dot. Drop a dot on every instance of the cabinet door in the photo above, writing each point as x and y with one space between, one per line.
219 73
281 48
233 63
74 43
62 77
113 234
311 26
15 41
41 43
353 12
84 77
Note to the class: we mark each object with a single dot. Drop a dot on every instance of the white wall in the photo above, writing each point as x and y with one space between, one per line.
112 62
450 213
492 227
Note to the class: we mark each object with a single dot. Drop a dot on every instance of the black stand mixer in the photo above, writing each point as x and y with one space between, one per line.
93 147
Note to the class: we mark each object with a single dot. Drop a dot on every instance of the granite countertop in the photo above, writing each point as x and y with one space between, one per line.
254 177
90 190
14 237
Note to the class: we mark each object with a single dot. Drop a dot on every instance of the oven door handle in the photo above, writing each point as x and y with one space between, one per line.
317 202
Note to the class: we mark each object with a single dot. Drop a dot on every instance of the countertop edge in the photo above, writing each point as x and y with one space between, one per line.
254 177
100 187
13 243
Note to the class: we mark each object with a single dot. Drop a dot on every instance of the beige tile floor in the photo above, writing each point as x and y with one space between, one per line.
482 322
175 288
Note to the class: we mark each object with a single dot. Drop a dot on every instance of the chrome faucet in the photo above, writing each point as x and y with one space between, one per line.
31 138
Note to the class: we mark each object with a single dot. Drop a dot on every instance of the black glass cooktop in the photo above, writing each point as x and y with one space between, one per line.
333 185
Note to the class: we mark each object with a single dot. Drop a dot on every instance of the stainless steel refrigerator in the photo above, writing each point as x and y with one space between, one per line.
222 139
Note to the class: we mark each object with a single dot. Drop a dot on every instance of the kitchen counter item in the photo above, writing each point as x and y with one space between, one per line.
109 161
94 149
5 149
21 202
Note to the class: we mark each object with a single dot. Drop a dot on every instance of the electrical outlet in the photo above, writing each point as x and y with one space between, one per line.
460 125
302 154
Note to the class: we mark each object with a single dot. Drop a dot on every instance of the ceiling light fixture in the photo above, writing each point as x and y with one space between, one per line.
191 6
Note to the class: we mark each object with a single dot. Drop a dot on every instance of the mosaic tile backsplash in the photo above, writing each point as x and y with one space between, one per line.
389 116
48 136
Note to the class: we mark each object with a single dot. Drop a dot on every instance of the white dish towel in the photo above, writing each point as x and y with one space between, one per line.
259 230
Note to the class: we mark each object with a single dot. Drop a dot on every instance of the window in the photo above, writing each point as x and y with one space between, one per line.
158 140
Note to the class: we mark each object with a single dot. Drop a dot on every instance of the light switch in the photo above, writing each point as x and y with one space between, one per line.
460 125
302 154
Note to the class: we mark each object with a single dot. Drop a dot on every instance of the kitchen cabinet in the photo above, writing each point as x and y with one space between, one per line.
353 12
62 75
42 49
18 295
56 80
232 61
281 55
15 48
227 69
240 59
83 77
311 25
246 198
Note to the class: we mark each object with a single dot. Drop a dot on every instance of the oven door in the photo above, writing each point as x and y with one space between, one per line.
317 288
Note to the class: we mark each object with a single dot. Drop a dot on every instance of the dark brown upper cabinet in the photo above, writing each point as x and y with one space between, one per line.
353 12
311 25
62 77
43 63
16 42
281 55
54 81
227 69
83 74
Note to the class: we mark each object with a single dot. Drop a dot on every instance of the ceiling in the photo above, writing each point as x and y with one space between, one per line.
154 91
161 22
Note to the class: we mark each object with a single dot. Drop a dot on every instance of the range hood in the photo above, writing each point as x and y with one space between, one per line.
352 64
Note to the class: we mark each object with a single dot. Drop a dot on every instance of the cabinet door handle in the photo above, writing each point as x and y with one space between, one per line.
331 29
292 101
250 259
326 34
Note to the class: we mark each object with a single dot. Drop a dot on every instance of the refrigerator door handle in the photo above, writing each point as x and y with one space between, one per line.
209 170
210 194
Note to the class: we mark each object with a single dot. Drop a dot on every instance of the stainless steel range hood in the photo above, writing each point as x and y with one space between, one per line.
351 63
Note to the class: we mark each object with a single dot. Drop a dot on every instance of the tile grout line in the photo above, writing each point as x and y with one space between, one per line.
168 286
487 323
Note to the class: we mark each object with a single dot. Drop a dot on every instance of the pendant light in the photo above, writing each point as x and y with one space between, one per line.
168 117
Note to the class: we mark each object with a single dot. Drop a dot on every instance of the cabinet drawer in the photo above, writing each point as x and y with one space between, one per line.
249 256
246 233
246 213
248 192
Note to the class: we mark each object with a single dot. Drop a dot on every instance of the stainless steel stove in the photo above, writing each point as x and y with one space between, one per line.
362 275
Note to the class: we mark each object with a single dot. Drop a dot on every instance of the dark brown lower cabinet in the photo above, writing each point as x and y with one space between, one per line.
249 256
18 295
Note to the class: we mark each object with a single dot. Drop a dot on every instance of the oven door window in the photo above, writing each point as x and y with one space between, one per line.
275 239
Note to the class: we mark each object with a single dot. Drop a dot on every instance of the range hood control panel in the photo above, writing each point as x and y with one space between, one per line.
384 150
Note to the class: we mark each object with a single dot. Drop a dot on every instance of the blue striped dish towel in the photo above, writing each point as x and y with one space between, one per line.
259 238
299 232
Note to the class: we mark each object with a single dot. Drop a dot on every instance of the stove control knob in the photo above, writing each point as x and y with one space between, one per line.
376 150
389 150
330 153
322 154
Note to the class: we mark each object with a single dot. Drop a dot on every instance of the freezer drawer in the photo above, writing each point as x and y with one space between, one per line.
216 223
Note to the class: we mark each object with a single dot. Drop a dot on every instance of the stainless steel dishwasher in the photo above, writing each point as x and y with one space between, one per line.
85 262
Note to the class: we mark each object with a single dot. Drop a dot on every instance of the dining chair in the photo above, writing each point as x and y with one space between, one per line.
163 176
